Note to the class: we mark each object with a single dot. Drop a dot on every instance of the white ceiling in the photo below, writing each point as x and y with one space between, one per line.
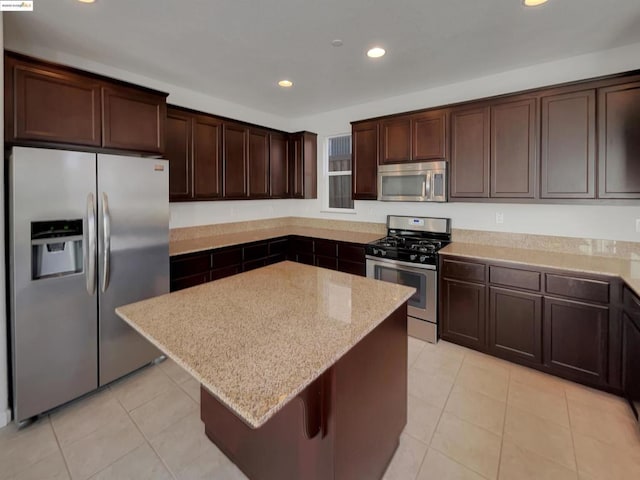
238 49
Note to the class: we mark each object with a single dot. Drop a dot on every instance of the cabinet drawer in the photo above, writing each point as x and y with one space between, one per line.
191 281
326 248
351 252
226 257
580 288
354 268
186 266
302 245
278 247
252 265
513 277
326 262
223 272
472 272
254 252
631 301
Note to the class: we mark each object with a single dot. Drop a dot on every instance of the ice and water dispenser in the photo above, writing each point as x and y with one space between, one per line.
56 248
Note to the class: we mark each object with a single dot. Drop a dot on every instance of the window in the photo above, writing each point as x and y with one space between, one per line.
339 172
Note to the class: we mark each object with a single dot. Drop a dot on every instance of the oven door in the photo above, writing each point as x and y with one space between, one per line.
423 303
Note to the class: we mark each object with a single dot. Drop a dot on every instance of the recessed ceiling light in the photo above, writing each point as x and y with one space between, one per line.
285 83
87 1
376 52
336 43
533 3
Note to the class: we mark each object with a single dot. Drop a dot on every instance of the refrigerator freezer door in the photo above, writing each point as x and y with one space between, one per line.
133 254
53 315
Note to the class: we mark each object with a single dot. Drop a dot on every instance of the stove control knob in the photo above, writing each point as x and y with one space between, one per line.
383 253
422 258
412 257
376 251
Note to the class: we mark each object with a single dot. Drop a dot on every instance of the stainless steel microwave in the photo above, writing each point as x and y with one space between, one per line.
413 182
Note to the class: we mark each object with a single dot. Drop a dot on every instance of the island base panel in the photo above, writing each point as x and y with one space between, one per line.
345 425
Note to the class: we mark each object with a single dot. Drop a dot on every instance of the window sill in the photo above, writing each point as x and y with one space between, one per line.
351 211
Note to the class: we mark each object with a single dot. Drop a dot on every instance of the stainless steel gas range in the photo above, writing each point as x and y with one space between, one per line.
408 256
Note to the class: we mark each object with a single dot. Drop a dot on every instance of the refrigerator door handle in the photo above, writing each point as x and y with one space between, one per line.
106 227
91 245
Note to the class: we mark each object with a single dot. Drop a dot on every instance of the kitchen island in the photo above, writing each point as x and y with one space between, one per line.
303 369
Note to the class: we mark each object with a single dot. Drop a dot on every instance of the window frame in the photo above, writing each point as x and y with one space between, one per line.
327 174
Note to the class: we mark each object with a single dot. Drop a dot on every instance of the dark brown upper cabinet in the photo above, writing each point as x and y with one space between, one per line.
193 150
235 159
207 164
470 148
395 140
365 160
429 136
568 145
619 141
178 149
258 163
303 165
513 161
132 120
278 165
52 104
414 137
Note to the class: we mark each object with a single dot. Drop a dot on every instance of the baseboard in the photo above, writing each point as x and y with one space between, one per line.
5 417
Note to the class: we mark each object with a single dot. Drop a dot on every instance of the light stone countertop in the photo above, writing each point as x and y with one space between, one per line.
180 247
625 268
257 339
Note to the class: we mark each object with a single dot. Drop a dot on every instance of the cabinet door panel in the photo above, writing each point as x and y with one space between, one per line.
631 361
513 149
365 161
470 142
235 161
206 157
395 142
515 325
576 338
54 106
619 141
178 152
463 313
258 163
132 120
429 132
568 153
279 168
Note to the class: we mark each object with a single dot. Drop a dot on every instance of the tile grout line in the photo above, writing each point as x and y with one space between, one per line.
438 423
64 458
504 425
573 442
147 441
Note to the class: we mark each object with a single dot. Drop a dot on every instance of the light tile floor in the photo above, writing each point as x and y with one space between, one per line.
470 417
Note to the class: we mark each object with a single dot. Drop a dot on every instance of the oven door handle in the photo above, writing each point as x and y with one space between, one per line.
399 264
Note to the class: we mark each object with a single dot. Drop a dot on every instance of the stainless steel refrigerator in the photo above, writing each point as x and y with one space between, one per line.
88 233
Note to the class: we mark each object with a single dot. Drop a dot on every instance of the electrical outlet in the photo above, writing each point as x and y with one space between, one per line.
638 225
499 218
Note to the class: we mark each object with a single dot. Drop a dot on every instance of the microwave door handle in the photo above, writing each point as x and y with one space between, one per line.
428 184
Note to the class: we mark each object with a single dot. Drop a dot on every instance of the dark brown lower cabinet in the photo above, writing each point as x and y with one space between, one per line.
631 359
463 313
193 269
576 340
515 325
560 322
